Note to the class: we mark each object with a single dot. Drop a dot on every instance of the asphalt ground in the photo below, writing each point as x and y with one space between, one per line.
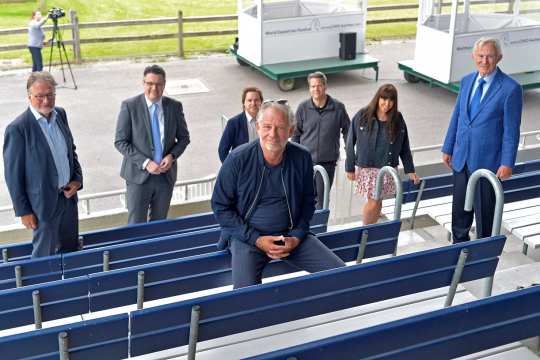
93 108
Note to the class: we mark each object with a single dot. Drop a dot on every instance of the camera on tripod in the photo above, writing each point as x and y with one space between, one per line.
55 13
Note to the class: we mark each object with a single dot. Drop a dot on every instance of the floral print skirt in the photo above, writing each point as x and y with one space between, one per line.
365 183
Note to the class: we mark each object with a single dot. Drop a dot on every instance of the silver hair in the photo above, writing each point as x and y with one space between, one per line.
317 75
488 40
285 109
36 76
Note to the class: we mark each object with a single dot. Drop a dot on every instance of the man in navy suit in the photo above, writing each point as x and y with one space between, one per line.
42 172
240 129
483 134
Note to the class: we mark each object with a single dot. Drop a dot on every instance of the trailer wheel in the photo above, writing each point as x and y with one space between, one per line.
410 77
241 62
286 84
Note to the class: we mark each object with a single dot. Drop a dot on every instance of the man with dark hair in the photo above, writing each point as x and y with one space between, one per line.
264 201
319 121
483 134
241 129
151 134
42 171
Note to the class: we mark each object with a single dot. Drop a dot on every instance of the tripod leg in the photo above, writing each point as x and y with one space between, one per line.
60 45
69 66
54 35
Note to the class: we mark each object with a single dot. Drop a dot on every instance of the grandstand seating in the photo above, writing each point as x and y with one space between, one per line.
115 288
254 307
435 194
144 231
441 334
130 253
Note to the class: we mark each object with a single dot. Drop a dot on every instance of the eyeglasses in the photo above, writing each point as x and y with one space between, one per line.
41 97
153 84
278 101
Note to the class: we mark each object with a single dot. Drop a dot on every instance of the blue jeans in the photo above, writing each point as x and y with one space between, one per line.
248 261
37 59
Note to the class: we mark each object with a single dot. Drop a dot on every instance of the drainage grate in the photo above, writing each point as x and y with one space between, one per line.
183 87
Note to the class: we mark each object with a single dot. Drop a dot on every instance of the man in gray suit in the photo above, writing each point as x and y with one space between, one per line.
151 133
42 171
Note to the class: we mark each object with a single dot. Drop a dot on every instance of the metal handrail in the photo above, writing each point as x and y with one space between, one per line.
326 181
497 216
399 188
87 198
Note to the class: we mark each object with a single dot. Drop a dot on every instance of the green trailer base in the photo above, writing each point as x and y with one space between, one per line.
286 73
528 80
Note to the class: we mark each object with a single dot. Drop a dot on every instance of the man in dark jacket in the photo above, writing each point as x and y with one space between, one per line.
319 121
240 129
264 200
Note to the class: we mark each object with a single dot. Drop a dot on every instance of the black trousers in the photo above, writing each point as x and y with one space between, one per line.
330 168
483 207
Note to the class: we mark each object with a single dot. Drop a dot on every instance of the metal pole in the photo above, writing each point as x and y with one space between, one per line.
497 216
362 247
417 202
5 257
18 276
63 345
140 290
37 308
194 331
326 181
456 277
180 34
399 188
106 260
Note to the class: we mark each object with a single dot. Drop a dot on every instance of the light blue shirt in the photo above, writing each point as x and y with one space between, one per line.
488 79
57 144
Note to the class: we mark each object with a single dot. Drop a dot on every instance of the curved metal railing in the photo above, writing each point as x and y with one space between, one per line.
497 216
399 189
326 181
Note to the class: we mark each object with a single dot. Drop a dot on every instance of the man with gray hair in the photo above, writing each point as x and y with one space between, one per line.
483 134
319 121
264 200
42 171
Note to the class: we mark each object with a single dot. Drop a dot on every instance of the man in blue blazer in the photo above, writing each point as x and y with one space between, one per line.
240 129
42 172
483 134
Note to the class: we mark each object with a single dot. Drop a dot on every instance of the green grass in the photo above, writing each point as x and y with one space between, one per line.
16 15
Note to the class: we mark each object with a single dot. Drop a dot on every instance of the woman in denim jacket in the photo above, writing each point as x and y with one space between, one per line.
377 137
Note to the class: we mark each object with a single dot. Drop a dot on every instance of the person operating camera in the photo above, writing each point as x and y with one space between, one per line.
36 37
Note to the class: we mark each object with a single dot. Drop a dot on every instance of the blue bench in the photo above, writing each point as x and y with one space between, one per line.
106 290
40 270
438 186
442 334
251 308
105 338
168 326
139 232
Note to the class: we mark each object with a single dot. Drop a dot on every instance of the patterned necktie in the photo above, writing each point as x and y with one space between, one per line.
156 137
477 98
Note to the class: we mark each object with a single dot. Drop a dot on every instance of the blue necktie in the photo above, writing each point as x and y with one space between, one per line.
477 98
156 138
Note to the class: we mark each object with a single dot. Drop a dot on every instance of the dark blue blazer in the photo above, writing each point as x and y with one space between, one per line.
29 167
234 135
489 138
